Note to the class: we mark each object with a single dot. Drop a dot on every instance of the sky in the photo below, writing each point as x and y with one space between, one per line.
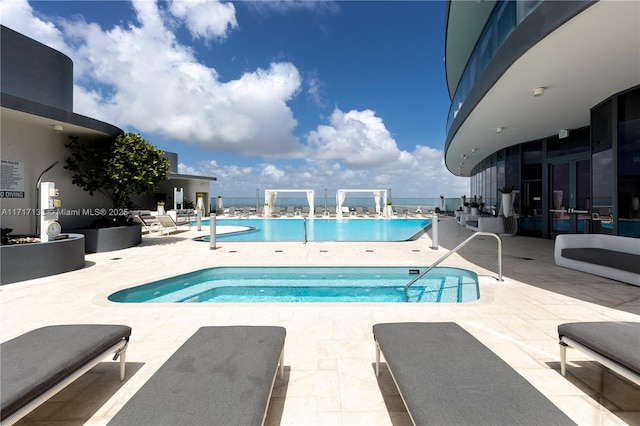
265 94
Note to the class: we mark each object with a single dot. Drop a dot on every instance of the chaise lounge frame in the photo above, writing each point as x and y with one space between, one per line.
220 375
118 350
446 376
592 338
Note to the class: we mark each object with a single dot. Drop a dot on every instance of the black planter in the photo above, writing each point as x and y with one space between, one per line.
99 240
34 260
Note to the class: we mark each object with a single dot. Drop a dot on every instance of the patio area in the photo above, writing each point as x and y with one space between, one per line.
329 350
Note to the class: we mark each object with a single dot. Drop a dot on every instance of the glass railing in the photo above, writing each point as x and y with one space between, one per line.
254 204
505 18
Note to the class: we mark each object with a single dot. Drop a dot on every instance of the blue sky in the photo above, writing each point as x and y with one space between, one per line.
265 94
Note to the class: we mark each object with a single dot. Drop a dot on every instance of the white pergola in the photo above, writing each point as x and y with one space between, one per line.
342 194
270 196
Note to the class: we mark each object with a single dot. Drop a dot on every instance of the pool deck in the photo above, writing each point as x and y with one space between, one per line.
329 350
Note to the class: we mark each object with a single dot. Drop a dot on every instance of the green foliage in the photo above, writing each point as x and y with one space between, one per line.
119 167
4 232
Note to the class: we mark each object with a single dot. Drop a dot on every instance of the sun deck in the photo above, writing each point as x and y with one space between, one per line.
329 366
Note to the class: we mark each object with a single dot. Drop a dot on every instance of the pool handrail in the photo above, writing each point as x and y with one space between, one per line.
455 249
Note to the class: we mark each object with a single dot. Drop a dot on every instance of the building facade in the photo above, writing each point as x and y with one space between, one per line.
546 101
37 120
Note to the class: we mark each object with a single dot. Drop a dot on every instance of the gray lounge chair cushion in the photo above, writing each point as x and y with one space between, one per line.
220 376
448 377
614 259
616 340
32 363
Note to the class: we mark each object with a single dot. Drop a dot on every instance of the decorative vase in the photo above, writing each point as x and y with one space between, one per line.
475 211
506 204
160 210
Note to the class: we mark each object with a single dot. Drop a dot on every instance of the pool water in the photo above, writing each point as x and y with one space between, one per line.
298 229
307 284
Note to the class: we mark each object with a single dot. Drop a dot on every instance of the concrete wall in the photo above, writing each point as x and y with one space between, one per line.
38 148
33 71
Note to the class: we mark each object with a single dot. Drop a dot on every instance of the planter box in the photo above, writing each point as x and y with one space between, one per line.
34 260
108 239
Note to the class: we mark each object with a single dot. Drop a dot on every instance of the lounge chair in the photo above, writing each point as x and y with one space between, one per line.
147 224
276 212
220 375
42 362
446 376
614 344
290 212
168 225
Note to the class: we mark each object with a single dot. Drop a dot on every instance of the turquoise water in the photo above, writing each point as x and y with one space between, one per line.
295 229
307 284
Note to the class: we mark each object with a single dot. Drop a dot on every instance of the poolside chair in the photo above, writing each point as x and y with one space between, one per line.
276 211
147 224
359 212
38 364
446 376
219 376
290 211
614 344
167 224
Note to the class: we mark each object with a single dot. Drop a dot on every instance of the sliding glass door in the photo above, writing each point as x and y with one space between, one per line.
569 196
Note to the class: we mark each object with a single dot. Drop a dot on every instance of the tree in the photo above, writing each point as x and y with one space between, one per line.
118 167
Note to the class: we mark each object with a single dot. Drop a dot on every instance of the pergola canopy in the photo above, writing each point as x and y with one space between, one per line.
270 196
342 194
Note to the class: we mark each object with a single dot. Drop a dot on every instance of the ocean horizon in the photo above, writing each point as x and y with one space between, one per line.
285 200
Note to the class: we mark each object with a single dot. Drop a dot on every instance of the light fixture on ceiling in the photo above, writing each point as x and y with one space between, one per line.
464 157
538 91
58 127
474 149
564 133
499 129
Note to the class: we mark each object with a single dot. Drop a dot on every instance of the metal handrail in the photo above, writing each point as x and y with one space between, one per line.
458 247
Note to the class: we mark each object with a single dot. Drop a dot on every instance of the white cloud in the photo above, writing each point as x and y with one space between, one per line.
140 77
285 6
357 138
205 19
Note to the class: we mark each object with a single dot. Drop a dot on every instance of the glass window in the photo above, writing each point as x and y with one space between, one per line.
505 20
629 134
629 164
575 143
512 167
532 160
525 7
501 176
602 172
602 127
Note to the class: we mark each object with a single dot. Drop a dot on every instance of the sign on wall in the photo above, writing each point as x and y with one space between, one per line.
12 179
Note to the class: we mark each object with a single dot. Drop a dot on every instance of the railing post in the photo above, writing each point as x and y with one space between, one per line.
455 249
304 230
212 231
434 232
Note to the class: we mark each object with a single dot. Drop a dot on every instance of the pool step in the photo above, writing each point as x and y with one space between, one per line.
184 294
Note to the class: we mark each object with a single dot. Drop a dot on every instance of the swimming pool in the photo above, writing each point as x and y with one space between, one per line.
296 229
307 284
